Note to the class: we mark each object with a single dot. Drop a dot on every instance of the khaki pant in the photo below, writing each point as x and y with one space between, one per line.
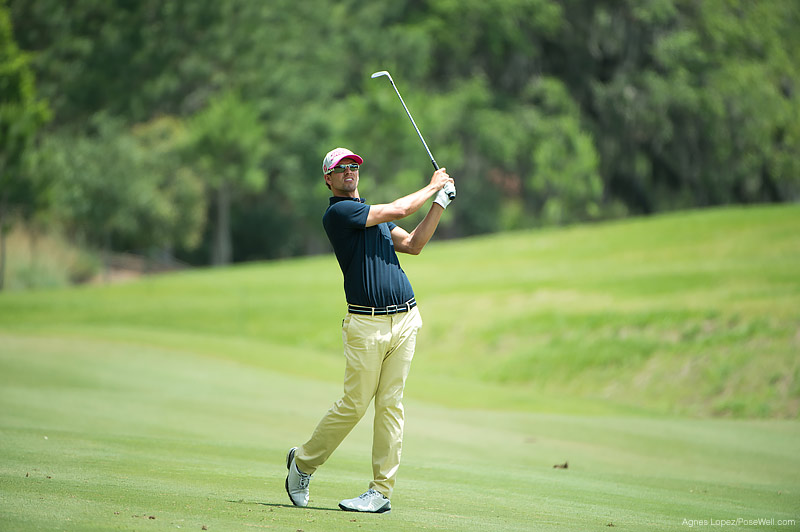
378 351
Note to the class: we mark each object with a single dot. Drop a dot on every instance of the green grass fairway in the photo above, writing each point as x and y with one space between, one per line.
657 357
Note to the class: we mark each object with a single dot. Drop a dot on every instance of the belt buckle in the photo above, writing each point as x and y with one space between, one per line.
392 309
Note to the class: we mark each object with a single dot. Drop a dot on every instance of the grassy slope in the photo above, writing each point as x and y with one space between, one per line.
692 313
176 397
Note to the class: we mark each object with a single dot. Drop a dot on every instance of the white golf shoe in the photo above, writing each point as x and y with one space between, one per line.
372 501
296 481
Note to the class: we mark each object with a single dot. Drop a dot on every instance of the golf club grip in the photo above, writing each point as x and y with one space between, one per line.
450 195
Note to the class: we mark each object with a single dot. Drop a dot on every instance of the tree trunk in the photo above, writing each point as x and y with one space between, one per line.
2 253
107 257
3 201
221 248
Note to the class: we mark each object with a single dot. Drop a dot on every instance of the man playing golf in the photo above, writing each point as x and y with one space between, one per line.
379 330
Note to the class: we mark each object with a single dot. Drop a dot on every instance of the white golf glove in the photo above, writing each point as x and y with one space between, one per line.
443 196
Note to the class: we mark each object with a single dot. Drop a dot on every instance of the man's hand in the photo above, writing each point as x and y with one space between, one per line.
440 178
444 196
445 185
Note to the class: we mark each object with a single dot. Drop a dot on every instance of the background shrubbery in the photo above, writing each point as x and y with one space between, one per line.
197 128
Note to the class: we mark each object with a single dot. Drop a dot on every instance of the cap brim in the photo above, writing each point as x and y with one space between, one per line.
353 156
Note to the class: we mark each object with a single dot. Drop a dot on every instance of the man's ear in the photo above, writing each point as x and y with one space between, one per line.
327 178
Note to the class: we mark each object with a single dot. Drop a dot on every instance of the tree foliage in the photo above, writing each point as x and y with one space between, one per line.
118 189
690 103
228 146
21 115
545 111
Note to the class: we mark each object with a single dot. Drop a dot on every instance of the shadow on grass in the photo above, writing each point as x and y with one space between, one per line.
277 505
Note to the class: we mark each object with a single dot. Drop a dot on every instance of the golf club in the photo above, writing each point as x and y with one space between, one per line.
450 194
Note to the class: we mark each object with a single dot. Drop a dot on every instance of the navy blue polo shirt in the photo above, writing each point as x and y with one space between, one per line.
372 273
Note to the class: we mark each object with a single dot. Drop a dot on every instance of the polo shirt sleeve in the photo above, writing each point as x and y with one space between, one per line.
350 214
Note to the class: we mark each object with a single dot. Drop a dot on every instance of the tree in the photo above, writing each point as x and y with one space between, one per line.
21 115
228 145
121 190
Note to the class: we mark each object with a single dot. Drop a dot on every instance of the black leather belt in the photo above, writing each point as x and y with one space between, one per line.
382 311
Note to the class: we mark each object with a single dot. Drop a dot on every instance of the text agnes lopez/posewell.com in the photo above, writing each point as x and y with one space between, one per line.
739 521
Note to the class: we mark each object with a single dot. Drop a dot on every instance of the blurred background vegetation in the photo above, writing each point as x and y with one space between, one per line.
193 131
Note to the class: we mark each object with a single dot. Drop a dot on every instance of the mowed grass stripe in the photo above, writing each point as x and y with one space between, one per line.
196 441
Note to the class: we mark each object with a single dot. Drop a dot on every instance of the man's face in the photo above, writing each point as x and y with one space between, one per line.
343 183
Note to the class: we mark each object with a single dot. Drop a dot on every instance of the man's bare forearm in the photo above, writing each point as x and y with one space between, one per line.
407 205
414 201
401 207
422 234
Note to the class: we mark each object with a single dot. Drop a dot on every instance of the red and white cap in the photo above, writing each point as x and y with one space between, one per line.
334 156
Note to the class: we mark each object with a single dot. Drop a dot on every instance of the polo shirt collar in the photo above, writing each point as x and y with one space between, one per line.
337 199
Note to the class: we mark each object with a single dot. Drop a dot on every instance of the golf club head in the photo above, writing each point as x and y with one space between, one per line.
382 73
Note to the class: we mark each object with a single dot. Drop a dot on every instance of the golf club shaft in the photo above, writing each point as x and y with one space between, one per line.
433 161
451 195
